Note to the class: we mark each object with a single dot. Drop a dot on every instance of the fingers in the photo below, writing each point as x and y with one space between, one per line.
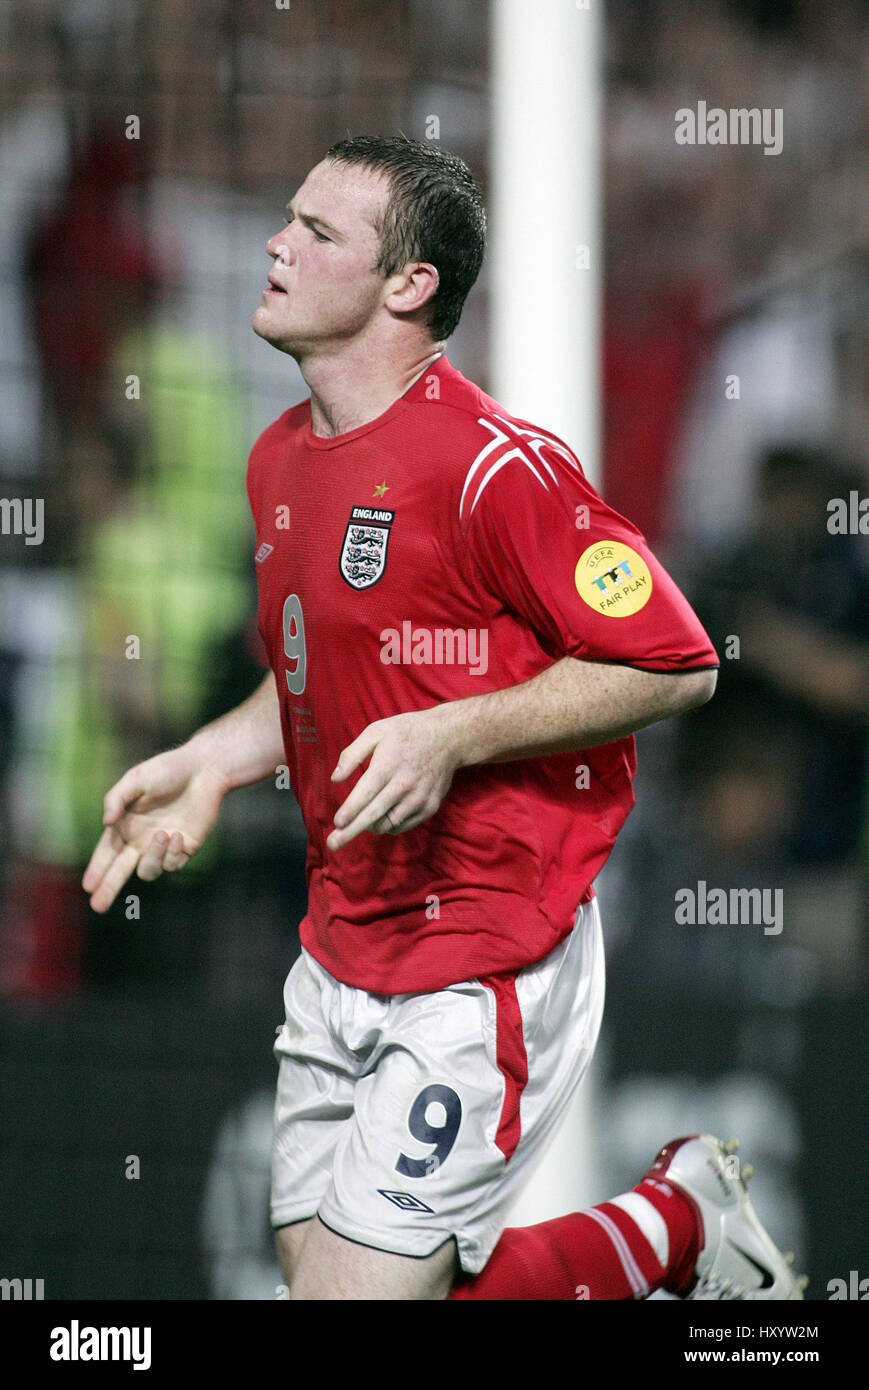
176 855
165 852
108 847
371 784
386 814
402 817
118 797
114 860
364 819
355 753
122 864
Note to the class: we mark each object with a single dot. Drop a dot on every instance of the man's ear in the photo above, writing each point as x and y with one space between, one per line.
413 288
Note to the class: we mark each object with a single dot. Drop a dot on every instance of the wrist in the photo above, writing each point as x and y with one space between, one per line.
459 723
207 754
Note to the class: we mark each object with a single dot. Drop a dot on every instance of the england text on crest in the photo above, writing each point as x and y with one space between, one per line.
366 540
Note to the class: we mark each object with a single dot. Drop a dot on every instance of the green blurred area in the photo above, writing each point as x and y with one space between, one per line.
167 567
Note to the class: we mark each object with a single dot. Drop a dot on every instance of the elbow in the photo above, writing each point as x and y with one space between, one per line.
696 687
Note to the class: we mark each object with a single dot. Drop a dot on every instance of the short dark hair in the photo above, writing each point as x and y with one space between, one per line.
434 213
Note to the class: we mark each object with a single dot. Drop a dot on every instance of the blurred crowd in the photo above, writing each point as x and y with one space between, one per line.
736 373
147 151
737 409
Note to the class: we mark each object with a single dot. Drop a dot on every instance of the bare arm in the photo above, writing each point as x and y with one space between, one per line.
162 811
571 705
245 745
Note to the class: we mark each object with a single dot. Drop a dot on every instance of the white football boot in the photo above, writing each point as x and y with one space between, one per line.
737 1258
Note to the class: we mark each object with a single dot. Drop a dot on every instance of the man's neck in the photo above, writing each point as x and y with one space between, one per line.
350 390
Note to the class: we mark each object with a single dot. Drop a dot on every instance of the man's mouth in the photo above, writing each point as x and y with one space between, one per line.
273 287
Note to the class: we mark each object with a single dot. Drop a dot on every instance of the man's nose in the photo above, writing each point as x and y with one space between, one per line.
279 247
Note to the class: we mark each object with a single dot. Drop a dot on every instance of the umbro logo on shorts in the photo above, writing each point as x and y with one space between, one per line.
405 1201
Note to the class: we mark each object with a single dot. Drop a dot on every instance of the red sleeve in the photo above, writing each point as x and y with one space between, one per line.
582 576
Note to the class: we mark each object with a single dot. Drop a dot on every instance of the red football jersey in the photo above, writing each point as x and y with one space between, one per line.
445 550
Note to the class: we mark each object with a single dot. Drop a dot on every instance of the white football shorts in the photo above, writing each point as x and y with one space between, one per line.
402 1120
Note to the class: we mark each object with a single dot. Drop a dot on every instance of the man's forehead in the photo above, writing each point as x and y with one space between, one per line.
343 193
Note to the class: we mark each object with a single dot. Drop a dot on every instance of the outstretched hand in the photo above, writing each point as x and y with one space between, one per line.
155 818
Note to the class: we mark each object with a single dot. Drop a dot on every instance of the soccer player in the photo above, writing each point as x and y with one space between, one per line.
463 639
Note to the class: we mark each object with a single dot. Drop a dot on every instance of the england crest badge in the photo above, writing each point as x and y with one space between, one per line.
366 541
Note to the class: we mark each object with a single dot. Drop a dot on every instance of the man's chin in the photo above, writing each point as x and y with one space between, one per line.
269 331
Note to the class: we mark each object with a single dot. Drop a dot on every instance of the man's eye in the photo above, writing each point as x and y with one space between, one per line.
319 235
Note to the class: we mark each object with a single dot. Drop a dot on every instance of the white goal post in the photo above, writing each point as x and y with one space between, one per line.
545 277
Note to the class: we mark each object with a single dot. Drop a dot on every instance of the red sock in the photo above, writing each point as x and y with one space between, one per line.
607 1252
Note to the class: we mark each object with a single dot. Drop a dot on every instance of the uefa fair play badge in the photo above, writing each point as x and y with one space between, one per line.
613 579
